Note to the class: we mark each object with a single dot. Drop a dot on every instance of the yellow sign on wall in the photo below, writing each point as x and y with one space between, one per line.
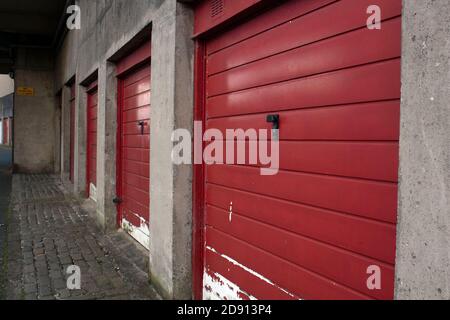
25 91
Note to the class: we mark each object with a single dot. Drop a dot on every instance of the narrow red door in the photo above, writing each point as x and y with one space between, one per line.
134 144
10 131
9 122
326 222
72 131
91 163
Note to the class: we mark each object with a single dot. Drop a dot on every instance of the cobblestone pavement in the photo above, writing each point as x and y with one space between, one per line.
5 190
47 231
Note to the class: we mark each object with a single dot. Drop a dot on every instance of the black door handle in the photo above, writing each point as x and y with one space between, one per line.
117 200
275 120
142 124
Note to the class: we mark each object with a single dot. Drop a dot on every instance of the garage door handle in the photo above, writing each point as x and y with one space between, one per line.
142 124
275 120
117 200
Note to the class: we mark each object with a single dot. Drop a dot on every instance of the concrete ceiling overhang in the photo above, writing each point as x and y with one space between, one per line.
28 23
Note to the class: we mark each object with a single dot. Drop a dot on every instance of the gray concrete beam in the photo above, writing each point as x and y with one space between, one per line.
65 134
170 185
34 129
106 145
57 123
423 233
80 141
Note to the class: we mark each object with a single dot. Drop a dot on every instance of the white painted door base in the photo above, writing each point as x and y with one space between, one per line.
141 234
92 192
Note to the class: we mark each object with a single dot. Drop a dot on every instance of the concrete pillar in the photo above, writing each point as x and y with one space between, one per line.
423 236
57 123
106 145
34 130
65 134
170 185
79 183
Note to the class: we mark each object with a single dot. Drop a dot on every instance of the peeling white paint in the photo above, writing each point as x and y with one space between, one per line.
236 263
141 234
230 211
92 192
217 287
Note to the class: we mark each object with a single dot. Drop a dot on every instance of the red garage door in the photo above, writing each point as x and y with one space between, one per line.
72 131
326 222
8 131
91 172
134 144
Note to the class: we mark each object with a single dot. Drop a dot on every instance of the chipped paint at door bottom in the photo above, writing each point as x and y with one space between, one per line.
217 287
92 192
141 234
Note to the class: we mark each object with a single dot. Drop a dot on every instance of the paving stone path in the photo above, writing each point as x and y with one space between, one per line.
47 231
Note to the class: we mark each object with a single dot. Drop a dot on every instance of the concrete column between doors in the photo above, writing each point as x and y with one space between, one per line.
65 132
171 185
80 141
106 146
423 235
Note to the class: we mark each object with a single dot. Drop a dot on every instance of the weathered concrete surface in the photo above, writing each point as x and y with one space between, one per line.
80 143
170 185
34 127
423 239
106 27
106 146
65 133
49 231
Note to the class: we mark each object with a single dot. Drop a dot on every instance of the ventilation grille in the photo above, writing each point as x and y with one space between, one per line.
216 7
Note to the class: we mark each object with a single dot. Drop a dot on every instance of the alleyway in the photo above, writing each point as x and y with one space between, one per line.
47 231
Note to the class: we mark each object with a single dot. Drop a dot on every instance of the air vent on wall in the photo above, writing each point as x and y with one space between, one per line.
216 7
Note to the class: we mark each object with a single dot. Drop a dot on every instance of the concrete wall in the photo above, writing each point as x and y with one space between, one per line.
423 240
106 28
110 30
34 127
